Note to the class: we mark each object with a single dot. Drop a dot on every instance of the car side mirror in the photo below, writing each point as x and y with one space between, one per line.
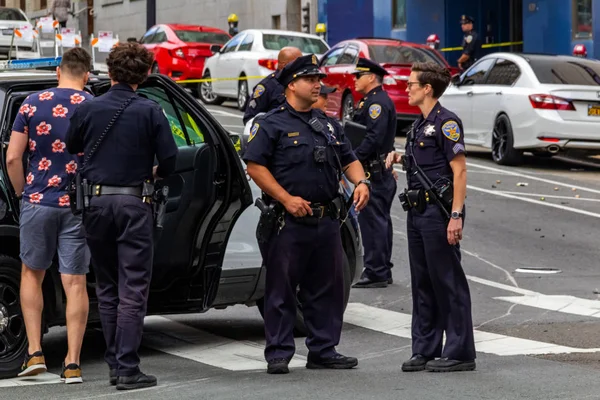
133 40
215 48
455 80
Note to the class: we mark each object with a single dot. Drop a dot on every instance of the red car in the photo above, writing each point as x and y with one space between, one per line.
395 56
180 50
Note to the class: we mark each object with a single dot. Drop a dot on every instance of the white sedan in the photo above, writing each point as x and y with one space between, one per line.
250 55
543 104
11 18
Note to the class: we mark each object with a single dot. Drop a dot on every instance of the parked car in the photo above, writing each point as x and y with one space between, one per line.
180 51
206 255
11 18
544 104
247 58
395 56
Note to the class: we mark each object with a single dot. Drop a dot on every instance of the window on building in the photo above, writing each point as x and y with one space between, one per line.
399 14
504 73
276 22
43 4
23 5
582 19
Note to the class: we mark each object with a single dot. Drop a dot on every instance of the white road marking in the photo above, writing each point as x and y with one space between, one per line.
184 341
225 113
399 324
549 196
41 379
559 303
232 126
502 286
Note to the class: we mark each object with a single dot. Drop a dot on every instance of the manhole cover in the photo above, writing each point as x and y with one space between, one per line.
541 270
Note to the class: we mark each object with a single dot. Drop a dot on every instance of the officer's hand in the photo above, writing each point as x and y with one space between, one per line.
298 207
361 196
156 177
455 231
392 158
395 174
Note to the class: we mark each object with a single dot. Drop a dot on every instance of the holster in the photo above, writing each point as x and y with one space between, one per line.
79 194
267 223
375 169
160 198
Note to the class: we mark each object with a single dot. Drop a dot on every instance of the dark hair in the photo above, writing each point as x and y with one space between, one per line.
129 63
430 73
76 62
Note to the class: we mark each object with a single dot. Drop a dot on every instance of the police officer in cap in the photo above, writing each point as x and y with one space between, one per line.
377 112
441 298
321 104
471 44
120 134
296 155
269 93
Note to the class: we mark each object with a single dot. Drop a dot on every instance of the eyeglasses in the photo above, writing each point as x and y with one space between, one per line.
409 84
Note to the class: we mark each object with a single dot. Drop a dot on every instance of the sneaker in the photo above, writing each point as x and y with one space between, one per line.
71 374
34 364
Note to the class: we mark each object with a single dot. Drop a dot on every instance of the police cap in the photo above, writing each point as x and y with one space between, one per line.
326 89
365 65
465 19
300 67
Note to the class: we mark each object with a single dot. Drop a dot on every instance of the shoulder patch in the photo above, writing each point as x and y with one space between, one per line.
253 132
258 91
374 111
451 130
469 38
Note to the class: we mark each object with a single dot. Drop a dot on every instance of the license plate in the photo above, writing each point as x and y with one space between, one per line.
594 110
7 32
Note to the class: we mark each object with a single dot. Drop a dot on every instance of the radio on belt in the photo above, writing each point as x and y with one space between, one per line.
34 63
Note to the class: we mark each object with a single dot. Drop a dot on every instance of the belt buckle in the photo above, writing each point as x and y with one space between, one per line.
322 211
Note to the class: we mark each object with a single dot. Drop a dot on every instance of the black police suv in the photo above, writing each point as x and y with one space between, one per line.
207 255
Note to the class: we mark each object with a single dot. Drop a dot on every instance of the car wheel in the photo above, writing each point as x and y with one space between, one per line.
347 107
242 99
503 151
13 338
206 92
155 69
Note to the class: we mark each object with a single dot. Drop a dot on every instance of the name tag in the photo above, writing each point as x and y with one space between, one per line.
293 134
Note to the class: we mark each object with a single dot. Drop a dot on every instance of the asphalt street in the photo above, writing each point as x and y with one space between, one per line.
530 251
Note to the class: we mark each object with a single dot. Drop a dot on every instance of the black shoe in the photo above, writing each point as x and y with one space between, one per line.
278 366
112 377
366 283
137 381
416 363
390 280
336 362
446 365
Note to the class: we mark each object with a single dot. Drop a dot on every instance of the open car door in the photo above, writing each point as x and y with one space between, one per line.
207 193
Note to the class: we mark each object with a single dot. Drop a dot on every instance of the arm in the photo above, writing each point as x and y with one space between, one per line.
14 160
468 49
355 173
376 126
74 135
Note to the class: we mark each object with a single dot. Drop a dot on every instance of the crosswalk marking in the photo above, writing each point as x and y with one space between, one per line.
41 379
563 304
181 340
399 324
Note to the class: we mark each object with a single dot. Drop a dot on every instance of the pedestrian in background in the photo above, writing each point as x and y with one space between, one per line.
60 11
441 297
127 132
46 222
471 44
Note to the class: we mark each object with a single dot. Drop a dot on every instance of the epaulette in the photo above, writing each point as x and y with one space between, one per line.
271 112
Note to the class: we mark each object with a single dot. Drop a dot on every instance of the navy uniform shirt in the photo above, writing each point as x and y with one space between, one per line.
377 112
267 95
437 140
472 47
126 155
283 141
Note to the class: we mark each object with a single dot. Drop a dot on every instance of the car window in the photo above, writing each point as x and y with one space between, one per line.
394 54
504 72
305 44
246 44
147 38
160 37
202 37
232 44
11 14
476 75
566 71
350 56
185 128
332 57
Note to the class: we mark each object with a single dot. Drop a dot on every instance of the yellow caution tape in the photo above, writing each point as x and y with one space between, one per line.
485 46
241 78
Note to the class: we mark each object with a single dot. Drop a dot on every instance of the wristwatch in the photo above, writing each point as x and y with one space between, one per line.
456 215
366 182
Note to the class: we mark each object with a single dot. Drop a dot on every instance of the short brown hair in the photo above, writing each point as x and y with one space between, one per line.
129 63
430 73
76 62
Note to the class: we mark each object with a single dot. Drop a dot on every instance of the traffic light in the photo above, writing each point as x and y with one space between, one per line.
306 18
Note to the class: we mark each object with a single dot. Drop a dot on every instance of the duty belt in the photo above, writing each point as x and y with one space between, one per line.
102 190
321 210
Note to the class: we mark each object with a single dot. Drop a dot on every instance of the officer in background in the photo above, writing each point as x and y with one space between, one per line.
325 91
269 93
296 155
377 112
441 298
119 221
471 44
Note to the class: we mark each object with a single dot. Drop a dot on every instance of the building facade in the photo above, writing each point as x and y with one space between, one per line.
543 26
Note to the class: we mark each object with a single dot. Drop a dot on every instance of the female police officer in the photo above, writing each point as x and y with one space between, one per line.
441 298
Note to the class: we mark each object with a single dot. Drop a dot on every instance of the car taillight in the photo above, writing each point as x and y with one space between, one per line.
268 64
549 102
388 80
179 53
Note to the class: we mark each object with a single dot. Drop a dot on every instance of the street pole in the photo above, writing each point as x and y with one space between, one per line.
150 13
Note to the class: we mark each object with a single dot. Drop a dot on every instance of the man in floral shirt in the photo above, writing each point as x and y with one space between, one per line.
47 224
